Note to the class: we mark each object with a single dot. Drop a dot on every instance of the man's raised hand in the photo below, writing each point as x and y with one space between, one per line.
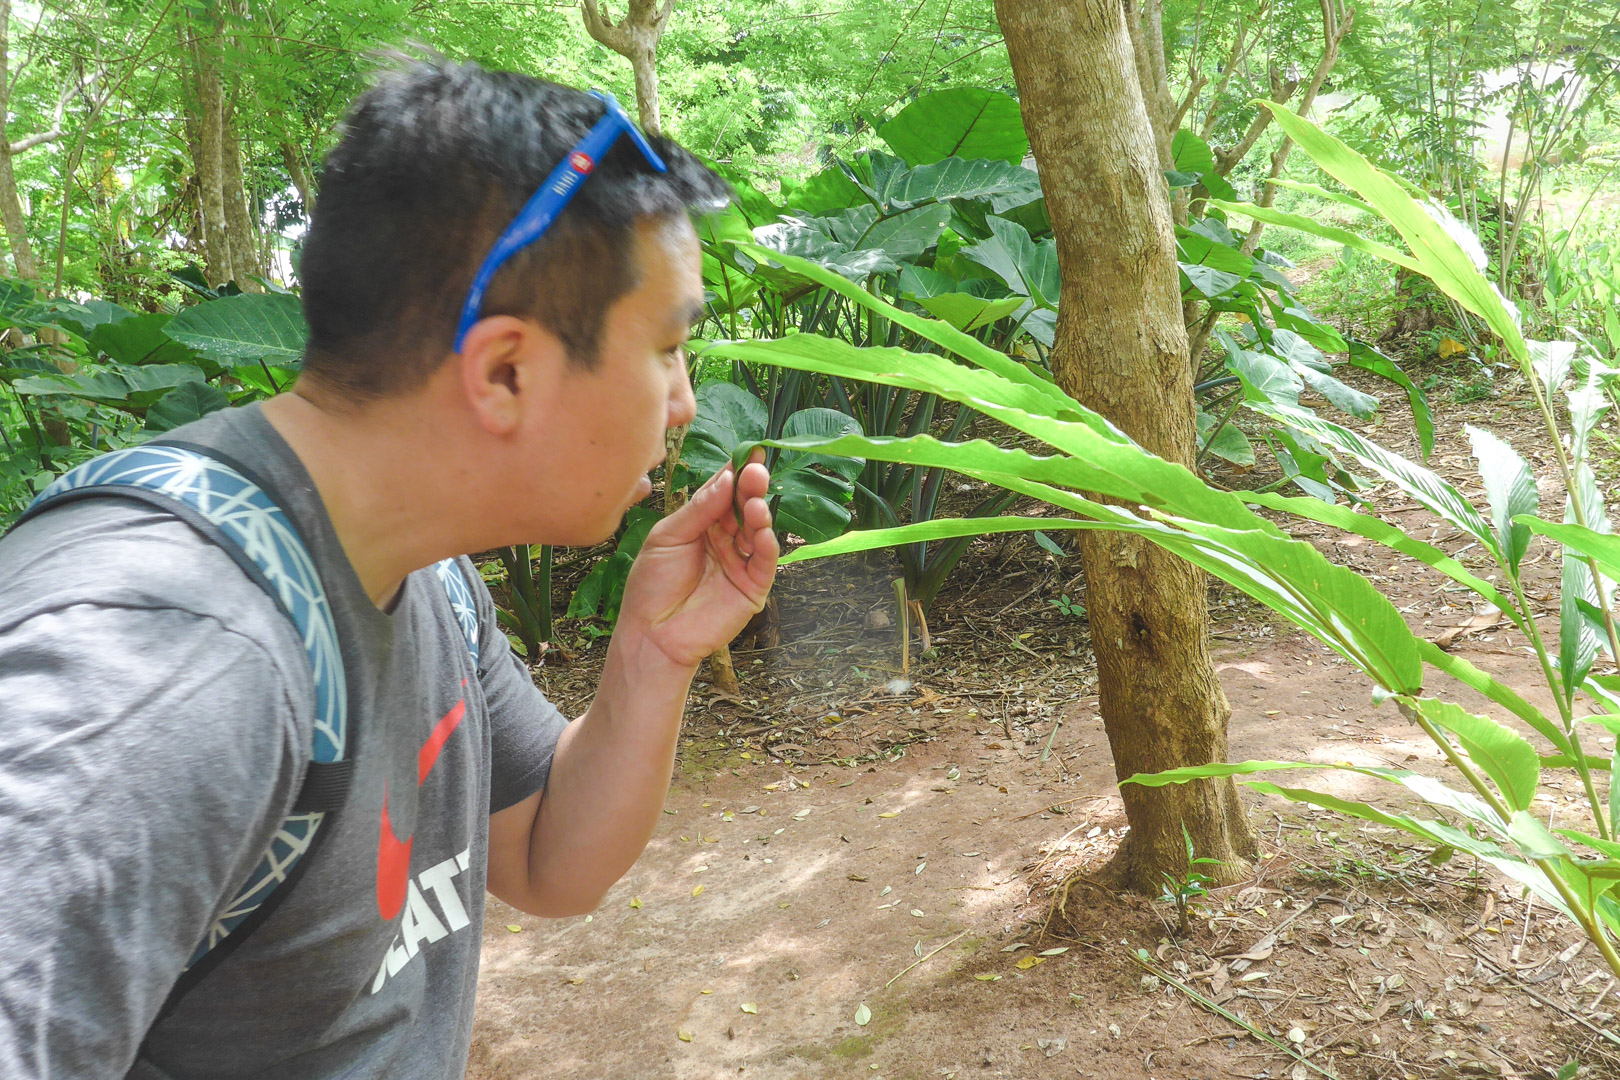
706 569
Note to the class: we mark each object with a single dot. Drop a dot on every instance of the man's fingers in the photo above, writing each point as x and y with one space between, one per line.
709 505
755 480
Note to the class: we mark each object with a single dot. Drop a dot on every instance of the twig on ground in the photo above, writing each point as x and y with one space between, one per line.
923 960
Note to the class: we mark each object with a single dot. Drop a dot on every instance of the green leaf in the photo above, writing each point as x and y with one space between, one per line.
1423 485
1501 753
1215 769
83 319
962 122
1534 839
820 424
1209 283
808 503
1005 184
908 234
139 339
827 191
1342 397
942 334
1195 245
1265 378
1380 531
1228 444
969 313
185 403
727 417
1367 358
1504 695
1551 360
1028 268
1190 153
1577 642
153 381
1604 548
1510 489
1436 240
234 329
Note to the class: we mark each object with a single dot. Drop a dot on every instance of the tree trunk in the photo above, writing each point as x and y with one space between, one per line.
293 158
242 237
1122 349
635 37
11 211
206 103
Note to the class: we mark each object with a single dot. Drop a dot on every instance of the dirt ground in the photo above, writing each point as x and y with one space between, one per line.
854 876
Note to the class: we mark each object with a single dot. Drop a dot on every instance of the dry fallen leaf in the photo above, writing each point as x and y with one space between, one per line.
1029 961
514 927
750 1008
1482 621
635 902
988 978
684 1036
698 891
863 1015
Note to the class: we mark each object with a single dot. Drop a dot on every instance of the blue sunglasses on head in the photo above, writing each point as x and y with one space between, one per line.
561 185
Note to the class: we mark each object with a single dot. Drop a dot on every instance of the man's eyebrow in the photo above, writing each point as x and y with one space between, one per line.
693 315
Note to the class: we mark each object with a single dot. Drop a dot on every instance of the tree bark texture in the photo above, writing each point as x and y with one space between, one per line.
243 237
11 210
205 103
1122 349
635 37
293 158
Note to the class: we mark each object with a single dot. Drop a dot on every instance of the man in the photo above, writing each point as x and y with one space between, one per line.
158 706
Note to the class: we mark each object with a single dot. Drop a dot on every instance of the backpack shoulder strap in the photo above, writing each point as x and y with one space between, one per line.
462 602
239 516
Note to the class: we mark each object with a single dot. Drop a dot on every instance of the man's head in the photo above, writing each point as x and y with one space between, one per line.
555 406
435 159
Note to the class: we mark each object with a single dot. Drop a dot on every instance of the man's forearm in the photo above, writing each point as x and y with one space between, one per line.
608 779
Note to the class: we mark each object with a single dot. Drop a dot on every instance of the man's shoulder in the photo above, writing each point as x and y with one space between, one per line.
115 552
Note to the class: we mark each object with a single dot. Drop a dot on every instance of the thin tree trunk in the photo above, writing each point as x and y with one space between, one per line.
238 221
293 158
1336 22
207 103
635 37
1122 349
11 210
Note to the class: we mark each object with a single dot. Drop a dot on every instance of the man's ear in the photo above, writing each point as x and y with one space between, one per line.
501 359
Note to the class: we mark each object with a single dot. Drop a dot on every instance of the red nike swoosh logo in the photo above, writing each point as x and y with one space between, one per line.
394 854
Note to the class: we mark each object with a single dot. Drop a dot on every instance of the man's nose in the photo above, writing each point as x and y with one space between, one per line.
682 402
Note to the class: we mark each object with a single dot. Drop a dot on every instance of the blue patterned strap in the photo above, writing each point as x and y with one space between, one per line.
241 518
236 513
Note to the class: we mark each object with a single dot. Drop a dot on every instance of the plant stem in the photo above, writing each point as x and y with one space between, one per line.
1564 714
1588 923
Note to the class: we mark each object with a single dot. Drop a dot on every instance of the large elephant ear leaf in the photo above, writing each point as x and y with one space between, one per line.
243 328
962 122
727 417
185 403
1510 489
820 425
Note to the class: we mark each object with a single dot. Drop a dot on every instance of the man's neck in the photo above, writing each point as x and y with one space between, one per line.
385 489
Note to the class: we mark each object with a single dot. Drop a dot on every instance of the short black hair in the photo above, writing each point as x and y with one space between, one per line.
434 160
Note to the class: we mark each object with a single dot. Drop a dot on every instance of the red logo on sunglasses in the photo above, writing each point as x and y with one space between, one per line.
581 163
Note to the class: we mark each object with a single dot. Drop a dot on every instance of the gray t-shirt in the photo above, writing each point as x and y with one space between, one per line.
156 711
